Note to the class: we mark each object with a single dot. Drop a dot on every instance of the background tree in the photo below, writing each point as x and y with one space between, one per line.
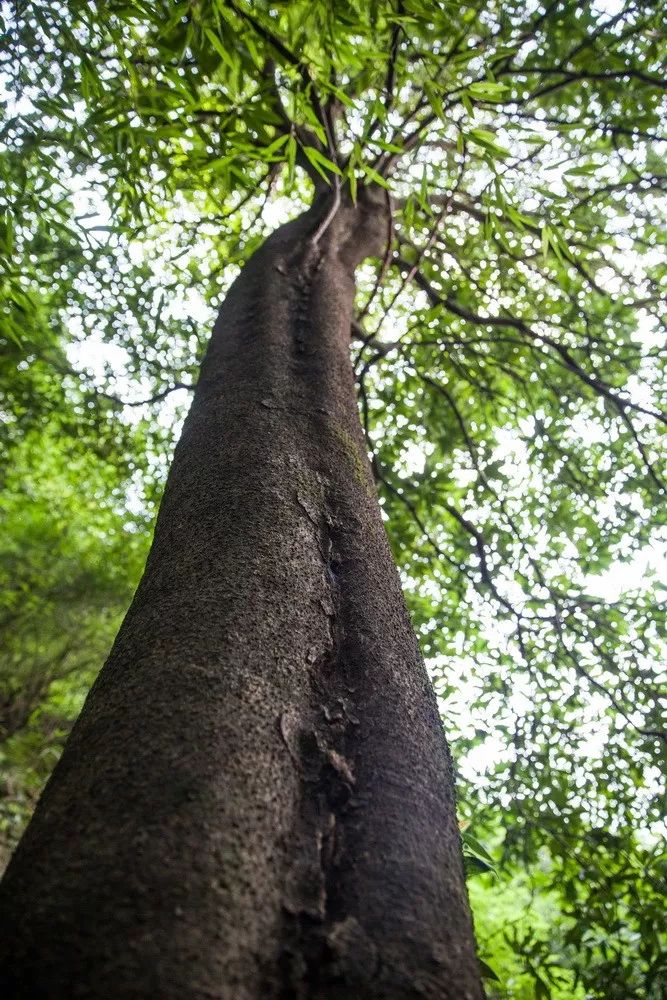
508 347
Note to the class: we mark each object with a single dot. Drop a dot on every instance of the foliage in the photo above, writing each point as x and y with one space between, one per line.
510 360
69 555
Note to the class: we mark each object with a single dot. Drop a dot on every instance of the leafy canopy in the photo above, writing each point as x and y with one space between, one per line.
509 354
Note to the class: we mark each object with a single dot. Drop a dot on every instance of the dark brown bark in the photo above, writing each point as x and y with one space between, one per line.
257 800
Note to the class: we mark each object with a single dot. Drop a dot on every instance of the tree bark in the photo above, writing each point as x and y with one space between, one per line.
257 800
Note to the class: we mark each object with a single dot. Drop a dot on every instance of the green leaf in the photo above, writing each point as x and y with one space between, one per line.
352 180
542 991
374 175
477 848
487 972
322 164
476 866
487 140
291 149
435 99
221 49
546 240
487 91
585 169
277 144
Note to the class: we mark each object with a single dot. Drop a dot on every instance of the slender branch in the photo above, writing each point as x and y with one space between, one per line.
600 386
390 80
572 76
155 398
329 217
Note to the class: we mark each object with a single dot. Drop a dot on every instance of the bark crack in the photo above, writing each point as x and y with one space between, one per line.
321 537
324 945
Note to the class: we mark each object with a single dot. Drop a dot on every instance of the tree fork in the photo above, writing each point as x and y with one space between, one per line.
257 800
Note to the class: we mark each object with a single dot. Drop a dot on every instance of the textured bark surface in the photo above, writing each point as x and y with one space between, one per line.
257 800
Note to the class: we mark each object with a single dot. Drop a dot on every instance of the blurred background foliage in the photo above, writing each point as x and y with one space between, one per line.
509 349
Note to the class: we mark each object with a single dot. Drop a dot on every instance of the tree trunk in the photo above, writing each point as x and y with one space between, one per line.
257 800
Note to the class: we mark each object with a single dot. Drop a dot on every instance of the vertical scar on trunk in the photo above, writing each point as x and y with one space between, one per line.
323 943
